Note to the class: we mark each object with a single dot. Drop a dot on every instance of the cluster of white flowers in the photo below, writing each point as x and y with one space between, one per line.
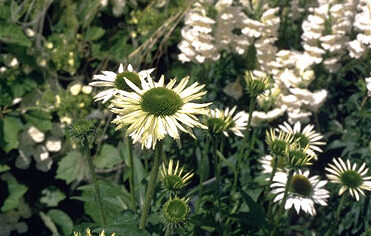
325 39
36 144
363 26
198 43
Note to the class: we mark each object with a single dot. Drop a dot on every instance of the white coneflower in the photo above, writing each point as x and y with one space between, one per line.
224 121
303 191
349 177
307 136
155 110
115 82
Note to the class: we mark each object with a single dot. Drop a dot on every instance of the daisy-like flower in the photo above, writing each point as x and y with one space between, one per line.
88 233
278 144
223 121
115 82
349 177
303 191
307 136
267 163
172 179
155 110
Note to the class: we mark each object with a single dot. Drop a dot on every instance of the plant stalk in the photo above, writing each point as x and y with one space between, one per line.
151 185
129 150
245 139
217 175
337 217
97 197
202 171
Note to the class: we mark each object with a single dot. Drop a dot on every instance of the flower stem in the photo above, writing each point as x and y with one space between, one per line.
217 175
97 197
282 206
202 171
245 138
129 149
337 217
266 190
151 185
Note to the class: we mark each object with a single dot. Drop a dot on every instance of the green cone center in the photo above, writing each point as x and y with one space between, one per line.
161 102
278 147
297 155
300 185
173 182
177 208
351 179
303 140
215 125
120 81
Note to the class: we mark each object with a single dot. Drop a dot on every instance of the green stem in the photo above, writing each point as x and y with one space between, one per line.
129 150
97 197
202 171
151 185
282 206
245 138
266 190
337 217
217 176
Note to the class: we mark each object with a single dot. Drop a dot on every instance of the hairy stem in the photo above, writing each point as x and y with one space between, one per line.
97 197
151 186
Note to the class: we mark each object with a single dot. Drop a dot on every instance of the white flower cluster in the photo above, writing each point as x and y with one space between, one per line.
34 143
362 24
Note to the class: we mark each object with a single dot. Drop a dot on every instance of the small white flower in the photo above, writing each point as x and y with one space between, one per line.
75 89
53 144
86 89
36 134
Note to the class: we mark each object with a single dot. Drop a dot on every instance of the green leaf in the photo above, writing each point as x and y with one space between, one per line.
40 119
16 192
115 198
72 167
61 219
12 33
49 223
9 130
52 196
107 157
4 168
126 223
255 216
93 33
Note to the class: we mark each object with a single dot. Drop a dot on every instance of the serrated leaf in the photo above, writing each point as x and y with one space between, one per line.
12 33
61 219
16 192
93 33
40 119
107 157
9 130
72 167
